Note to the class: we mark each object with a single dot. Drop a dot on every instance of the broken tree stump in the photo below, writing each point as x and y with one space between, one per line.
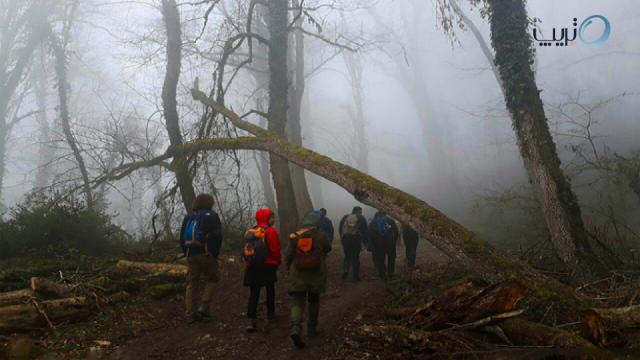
155 269
598 324
25 317
49 289
465 304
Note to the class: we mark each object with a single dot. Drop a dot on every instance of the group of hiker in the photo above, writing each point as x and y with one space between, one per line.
304 259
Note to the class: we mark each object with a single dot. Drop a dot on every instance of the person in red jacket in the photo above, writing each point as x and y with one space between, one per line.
257 276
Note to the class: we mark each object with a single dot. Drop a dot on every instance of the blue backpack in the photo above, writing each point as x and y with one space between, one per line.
192 234
382 226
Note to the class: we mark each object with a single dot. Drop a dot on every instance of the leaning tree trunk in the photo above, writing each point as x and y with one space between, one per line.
461 245
303 199
278 92
63 90
180 165
45 151
514 54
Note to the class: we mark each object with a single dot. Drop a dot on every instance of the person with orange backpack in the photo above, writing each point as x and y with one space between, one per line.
306 264
200 239
261 254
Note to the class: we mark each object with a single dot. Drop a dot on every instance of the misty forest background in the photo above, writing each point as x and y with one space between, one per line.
400 90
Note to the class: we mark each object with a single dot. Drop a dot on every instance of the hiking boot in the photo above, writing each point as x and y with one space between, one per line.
251 328
296 337
345 275
203 317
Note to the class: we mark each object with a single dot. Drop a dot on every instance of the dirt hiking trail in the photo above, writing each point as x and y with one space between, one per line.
225 338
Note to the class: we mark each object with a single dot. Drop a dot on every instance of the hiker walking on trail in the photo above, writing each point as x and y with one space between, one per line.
200 239
410 238
326 226
306 264
261 254
383 233
353 233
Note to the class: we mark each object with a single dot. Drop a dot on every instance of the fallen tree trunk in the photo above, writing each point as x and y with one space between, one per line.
461 245
466 304
25 317
523 332
597 324
16 297
49 289
154 269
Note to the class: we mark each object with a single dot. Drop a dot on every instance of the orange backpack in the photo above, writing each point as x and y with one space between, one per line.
307 255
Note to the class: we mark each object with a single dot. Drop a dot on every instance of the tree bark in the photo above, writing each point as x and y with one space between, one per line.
25 317
559 205
180 165
301 190
278 94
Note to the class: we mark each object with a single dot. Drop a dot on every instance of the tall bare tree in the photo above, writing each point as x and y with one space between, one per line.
513 58
24 27
278 23
180 165
296 93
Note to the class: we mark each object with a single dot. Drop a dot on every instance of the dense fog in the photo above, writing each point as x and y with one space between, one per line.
432 111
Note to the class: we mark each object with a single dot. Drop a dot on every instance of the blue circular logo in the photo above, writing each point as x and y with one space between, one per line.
588 21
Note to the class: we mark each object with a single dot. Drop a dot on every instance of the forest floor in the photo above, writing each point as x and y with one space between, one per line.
166 335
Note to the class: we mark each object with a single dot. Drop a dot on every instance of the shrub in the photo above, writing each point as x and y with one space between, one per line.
44 226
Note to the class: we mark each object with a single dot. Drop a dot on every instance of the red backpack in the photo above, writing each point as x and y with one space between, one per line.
307 254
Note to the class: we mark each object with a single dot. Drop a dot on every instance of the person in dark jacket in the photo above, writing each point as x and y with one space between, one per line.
383 233
264 275
200 239
306 284
326 226
410 238
354 234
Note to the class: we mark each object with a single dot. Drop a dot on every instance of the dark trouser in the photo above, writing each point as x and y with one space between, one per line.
298 304
202 275
410 247
254 297
351 246
385 259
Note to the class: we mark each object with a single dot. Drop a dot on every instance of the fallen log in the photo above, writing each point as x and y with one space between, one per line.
25 317
466 304
599 324
526 333
16 297
49 289
154 269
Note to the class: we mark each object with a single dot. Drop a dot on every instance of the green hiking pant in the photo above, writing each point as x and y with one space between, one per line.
202 275
298 303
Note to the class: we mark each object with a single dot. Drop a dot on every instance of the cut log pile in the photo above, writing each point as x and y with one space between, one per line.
47 303
465 312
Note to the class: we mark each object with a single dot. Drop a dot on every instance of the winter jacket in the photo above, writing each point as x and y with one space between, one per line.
211 234
314 281
362 226
271 237
379 241
326 226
